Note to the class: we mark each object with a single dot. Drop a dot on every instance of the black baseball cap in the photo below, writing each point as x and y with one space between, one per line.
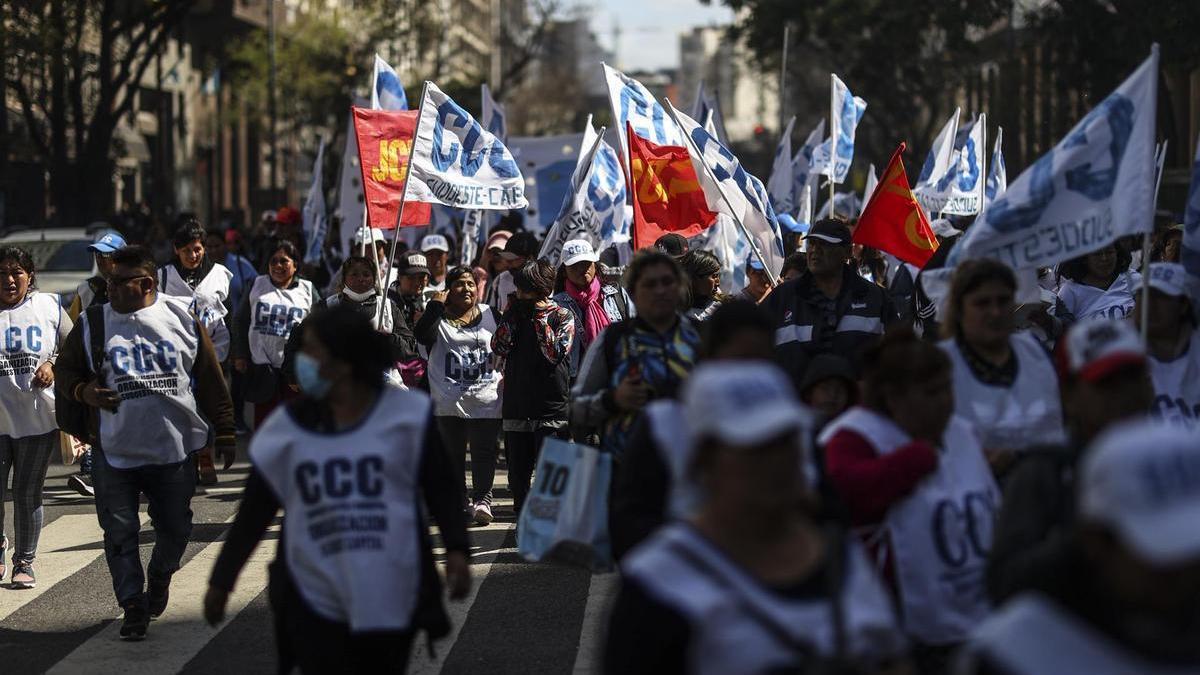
522 244
672 244
830 231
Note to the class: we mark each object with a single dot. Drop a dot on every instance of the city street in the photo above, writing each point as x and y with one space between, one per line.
519 617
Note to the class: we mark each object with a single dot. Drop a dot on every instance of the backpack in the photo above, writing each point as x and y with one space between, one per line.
73 416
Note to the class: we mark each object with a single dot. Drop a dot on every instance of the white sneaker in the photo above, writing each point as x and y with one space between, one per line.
483 514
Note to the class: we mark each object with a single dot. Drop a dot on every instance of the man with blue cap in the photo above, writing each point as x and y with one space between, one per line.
93 291
757 282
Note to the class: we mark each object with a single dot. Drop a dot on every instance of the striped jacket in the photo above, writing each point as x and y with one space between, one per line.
808 324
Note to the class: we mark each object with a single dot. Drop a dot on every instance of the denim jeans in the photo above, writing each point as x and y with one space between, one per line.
168 489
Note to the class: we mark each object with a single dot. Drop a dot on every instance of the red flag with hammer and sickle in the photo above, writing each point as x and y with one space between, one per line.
666 194
892 220
385 139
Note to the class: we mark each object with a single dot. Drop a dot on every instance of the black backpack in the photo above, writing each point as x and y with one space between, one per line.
72 416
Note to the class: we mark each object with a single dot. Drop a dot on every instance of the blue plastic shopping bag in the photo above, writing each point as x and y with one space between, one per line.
566 513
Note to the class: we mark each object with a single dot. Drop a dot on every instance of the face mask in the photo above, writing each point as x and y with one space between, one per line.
309 378
357 297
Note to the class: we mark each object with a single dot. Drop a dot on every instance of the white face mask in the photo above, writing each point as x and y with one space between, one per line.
357 297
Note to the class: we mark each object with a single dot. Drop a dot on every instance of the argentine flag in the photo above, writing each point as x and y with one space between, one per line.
386 91
833 157
1094 187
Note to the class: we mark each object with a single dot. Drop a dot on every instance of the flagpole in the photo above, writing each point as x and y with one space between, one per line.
403 188
1160 161
983 162
833 145
724 197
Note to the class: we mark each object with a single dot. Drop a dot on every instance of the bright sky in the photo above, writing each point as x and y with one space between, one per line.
650 28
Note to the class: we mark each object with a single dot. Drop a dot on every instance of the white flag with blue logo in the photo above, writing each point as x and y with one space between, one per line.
958 190
707 111
577 219
833 156
313 217
803 171
492 114
1191 228
719 171
387 93
458 163
997 180
1094 187
633 103
781 183
941 155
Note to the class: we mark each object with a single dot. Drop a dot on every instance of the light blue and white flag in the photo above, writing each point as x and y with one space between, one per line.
386 91
781 184
803 173
848 206
1095 186
997 180
633 103
804 216
313 218
492 114
707 110
958 189
849 110
1191 228
941 154
722 178
577 219
547 162
456 162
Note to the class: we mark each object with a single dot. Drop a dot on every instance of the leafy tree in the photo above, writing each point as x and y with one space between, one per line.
74 66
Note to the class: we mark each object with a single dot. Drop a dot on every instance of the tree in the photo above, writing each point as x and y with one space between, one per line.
74 67
904 58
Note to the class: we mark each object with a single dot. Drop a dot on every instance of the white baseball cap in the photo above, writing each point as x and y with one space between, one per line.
741 403
578 250
1169 278
1097 347
360 236
1142 478
435 242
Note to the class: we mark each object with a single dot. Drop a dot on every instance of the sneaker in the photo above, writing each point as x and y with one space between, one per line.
157 595
137 618
483 514
23 576
204 465
81 483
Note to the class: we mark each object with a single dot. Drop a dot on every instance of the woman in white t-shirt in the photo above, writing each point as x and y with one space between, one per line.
457 330
1098 284
32 327
1173 346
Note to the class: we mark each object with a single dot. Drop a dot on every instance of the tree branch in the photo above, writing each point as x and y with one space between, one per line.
36 131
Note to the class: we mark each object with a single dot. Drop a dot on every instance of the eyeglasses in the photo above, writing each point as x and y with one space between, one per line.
117 281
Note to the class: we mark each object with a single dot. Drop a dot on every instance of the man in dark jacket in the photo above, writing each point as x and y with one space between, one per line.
829 308
1104 381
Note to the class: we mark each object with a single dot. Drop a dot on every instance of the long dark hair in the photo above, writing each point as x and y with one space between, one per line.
23 259
289 249
1076 269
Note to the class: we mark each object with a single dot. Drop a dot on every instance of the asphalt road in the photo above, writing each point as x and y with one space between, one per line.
520 617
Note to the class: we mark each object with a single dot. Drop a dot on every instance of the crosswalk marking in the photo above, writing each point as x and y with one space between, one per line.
181 633
63 550
601 591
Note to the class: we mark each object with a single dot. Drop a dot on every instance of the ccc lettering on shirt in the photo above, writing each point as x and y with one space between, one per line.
27 339
1176 411
962 528
468 366
339 478
277 320
144 358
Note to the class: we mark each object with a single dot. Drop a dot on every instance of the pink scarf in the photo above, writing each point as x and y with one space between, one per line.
588 299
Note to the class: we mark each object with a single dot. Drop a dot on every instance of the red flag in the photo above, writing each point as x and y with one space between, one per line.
892 220
666 194
385 140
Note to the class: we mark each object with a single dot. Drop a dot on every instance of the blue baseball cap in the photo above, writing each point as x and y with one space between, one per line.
754 263
107 243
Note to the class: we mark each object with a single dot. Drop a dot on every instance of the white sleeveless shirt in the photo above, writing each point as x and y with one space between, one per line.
1027 413
207 300
274 313
941 534
28 338
462 381
740 626
148 359
1177 386
1115 302
351 525
1032 635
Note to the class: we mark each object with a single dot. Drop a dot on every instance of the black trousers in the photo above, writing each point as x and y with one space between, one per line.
314 644
522 448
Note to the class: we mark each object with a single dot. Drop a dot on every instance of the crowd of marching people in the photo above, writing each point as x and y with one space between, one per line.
846 465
